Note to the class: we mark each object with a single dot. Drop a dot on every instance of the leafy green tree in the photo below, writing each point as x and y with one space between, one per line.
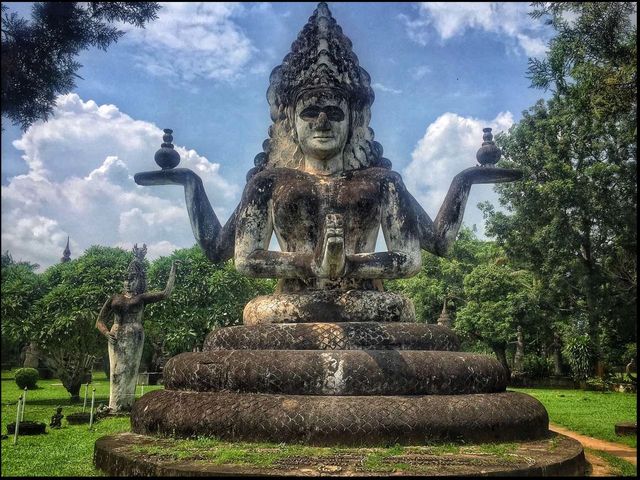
572 219
38 57
442 277
205 296
21 288
63 320
499 299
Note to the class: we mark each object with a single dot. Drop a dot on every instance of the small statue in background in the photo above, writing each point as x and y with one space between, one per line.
126 336
102 411
56 419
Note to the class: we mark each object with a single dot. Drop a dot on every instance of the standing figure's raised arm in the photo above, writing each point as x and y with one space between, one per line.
151 297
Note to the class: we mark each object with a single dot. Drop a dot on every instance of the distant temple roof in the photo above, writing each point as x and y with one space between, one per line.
66 254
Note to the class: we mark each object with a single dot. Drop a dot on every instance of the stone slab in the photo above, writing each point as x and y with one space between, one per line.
626 428
555 455
333 336
341 420
336 372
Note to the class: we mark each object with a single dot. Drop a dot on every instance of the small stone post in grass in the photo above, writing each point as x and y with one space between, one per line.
84 404
93 398
24 401
15 432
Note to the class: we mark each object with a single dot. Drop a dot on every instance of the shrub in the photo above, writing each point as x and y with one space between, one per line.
579 353
535 366
598 384
27 377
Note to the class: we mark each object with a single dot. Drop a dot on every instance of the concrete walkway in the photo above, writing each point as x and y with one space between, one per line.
599 467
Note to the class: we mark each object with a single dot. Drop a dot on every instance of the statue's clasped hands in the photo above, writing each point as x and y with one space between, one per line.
332 262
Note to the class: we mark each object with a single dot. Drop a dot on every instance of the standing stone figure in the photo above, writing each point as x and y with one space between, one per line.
126 336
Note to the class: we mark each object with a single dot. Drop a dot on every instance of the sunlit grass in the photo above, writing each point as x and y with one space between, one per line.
67 451
591 413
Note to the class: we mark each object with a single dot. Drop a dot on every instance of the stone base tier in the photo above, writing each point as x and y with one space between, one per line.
329 306
333 336
346 420
131 455
336 372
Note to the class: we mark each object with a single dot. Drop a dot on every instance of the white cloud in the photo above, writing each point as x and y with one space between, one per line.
384 88
420 71
449 146
80 183
194 40
509 20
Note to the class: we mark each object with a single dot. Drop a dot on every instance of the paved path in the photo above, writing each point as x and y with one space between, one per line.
599 467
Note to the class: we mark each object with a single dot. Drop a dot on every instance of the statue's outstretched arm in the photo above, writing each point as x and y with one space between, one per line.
216 241
438 236
151 297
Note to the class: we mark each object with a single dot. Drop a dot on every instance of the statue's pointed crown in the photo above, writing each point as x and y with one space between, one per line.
321 57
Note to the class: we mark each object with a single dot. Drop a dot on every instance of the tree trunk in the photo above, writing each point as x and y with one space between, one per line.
557 362
518 359
590 284
73 386
72 380
500 351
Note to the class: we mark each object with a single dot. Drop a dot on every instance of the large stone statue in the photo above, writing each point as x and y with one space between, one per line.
331 358
126 335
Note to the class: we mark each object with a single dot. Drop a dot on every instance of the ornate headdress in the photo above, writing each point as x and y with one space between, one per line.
320 58
137 267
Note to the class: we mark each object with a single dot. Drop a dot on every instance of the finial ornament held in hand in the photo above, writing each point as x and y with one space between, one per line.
488 154
166 156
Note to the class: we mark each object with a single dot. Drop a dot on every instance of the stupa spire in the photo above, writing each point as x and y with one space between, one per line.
66 254
445 319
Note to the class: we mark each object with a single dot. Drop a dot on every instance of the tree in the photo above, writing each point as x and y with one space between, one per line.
572 218
63 320
205 296
21 288
499 299
38 57
442 277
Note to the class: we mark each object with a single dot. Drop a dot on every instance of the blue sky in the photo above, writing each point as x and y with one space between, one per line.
440 71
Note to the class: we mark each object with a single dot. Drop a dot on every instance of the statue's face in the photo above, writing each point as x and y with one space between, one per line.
322 124
133 285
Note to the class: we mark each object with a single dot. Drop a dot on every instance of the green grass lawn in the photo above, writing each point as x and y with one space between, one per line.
64 452
69 450
590 413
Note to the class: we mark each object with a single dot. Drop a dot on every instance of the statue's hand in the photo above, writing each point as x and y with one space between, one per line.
333 259
112 337
489 174
172 176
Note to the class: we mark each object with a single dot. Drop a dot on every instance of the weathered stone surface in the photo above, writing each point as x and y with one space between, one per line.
626 428
323 188
336 372
126 454
329 306
333 336
341 420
